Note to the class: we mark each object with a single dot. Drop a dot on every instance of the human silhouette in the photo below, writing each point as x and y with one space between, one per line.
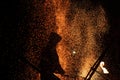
49 63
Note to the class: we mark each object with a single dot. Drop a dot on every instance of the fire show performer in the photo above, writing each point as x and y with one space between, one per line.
49 63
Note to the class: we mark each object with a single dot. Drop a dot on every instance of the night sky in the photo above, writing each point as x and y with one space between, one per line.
13 12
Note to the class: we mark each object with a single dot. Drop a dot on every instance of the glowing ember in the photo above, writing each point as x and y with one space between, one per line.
105 71
74 52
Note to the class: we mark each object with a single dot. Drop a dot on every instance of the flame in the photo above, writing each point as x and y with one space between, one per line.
105 71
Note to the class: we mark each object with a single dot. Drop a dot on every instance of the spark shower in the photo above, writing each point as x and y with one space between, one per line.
81 24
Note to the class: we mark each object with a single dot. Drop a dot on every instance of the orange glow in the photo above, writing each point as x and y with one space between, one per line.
81 26
79 29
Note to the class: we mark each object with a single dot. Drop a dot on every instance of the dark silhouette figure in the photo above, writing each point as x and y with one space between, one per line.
49 63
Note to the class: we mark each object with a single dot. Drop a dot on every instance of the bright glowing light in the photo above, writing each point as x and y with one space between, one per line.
74 52
105 71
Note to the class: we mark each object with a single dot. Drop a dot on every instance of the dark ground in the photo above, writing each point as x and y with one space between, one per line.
13 12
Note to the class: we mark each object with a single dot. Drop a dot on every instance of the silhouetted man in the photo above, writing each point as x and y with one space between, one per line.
49 63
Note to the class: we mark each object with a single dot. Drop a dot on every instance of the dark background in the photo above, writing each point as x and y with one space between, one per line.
14 12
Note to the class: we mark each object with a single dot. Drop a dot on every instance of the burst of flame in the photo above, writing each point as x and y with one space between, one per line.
105 71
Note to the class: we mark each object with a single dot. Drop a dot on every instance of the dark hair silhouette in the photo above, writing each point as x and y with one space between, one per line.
49 63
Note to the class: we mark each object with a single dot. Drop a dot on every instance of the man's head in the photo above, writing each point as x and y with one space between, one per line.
54 38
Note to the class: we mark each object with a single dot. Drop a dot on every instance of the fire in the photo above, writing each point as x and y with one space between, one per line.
105 71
